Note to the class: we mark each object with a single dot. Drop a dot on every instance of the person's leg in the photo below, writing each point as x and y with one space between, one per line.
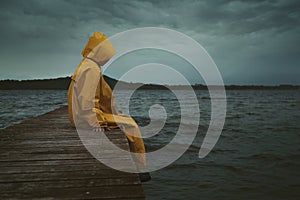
134 137
136 145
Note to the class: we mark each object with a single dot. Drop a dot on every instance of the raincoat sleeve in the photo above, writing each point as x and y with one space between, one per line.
87 96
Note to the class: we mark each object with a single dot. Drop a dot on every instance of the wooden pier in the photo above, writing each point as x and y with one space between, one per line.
43 158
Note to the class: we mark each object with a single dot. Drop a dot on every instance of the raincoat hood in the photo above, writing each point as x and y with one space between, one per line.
99 49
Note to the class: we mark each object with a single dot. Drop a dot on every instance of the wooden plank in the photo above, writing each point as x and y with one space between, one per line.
105 192
64 175
88 166
45 158
45 163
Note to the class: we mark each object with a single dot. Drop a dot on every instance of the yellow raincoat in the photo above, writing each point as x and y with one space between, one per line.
93 105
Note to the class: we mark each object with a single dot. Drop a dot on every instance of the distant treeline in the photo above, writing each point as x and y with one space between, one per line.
44 84
63 84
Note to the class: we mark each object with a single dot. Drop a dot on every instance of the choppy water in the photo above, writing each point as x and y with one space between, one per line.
18 105
256 157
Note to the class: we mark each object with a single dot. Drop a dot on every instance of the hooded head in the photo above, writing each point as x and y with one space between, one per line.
99 48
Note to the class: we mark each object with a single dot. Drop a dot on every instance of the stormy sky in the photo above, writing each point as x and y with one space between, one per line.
251 41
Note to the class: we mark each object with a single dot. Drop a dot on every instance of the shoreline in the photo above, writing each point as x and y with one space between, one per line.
63 84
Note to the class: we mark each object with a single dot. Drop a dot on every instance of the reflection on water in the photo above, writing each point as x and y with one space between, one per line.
257 156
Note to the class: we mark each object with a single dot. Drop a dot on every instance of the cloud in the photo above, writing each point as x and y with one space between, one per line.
257 36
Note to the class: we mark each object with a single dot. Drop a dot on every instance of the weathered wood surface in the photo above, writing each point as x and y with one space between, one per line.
44 158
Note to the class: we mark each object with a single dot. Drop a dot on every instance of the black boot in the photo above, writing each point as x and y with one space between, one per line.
144 177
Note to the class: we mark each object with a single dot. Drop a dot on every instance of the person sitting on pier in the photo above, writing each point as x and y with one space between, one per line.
99 99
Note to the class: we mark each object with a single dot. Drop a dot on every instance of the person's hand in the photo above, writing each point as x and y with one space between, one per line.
98 129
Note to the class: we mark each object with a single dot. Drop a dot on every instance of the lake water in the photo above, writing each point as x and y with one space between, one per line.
256 157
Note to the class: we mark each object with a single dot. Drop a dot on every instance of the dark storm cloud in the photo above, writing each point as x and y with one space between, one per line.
255 36
217 17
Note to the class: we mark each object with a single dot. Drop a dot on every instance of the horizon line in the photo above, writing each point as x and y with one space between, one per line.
158 84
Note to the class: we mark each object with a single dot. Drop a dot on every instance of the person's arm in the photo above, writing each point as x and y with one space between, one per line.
86 91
